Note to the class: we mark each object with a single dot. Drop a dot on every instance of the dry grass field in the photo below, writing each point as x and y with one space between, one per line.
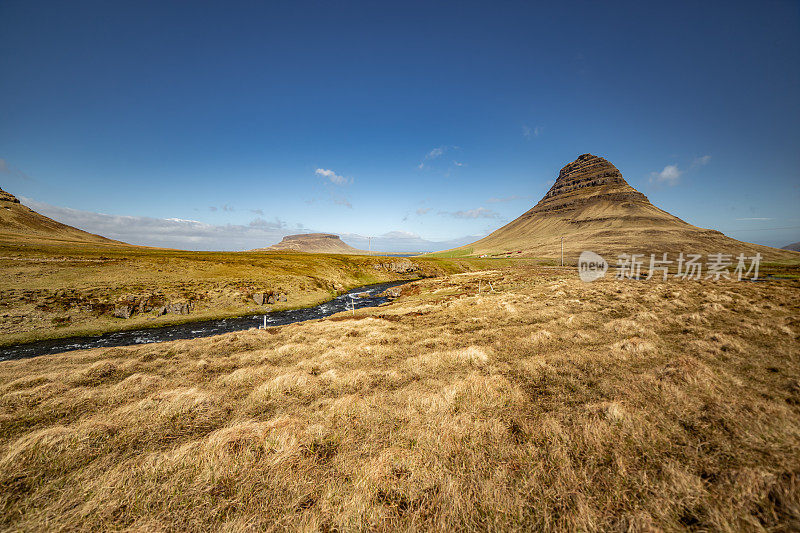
544 404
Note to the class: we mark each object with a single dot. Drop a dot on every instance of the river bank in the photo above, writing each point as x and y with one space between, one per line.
359 297
58 292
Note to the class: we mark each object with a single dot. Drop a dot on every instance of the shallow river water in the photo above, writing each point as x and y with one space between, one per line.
204 328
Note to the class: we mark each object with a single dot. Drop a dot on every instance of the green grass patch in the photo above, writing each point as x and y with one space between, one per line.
463 252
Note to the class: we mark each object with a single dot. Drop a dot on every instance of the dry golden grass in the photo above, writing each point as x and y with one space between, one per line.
548 404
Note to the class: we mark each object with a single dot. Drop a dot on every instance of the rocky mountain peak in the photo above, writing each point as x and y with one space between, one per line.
588 178
590 207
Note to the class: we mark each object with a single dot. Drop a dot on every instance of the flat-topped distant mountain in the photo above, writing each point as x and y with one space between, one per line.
320 243
795 247
22 225
593 208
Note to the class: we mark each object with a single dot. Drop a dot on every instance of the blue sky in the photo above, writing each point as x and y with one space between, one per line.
421 124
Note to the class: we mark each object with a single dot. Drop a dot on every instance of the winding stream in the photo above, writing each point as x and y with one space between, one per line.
206 328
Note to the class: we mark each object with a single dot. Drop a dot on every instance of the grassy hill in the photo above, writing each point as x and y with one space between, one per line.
21 226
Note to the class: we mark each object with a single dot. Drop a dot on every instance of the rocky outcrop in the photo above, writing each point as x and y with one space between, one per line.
123 311
398 267
132 304
392 292
180 308
269 297
8 197
587 179
99 302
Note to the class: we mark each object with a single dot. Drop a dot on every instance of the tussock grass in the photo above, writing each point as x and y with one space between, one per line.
614 406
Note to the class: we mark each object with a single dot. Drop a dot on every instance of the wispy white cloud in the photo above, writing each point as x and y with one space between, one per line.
405 241
399 234
530 133
506 199
341 200
168 232
669 176
13 172
701 161
194 235
268 224
436 153
478 212
226 208
755 218
333 177
184 220
423 210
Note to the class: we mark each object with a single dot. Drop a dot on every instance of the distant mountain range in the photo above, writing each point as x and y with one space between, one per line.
592 207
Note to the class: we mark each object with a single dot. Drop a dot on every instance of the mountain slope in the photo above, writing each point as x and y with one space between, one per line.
592 207
20 224
320 243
